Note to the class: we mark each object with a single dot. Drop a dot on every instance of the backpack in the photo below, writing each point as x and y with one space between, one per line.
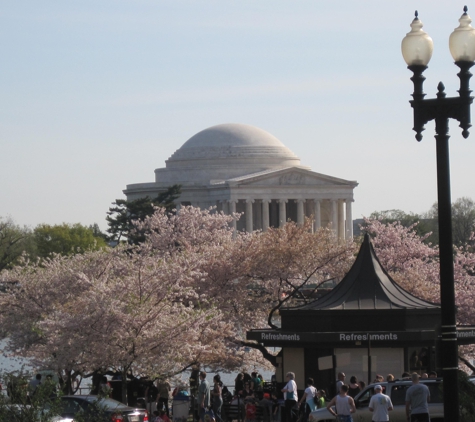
251 411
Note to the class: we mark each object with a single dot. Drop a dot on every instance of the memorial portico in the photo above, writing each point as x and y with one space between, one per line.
243 169
262 213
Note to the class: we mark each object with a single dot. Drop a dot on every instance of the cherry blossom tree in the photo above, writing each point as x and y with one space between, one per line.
287 260
249 277
415 266
186 295
412 263
108 309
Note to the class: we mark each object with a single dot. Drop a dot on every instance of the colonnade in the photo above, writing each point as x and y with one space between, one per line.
263 213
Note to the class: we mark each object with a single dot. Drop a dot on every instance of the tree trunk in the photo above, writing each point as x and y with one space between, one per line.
124 386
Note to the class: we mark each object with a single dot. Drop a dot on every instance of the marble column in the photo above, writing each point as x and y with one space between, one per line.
221 206
265 214
300 211
334 216
341 220
282 212
249 215
349 220
318 214
232 210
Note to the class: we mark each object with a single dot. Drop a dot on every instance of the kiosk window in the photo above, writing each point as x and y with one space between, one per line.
435 390
363 400
398 394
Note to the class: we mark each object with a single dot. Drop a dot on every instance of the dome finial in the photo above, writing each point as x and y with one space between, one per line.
416 14
465 10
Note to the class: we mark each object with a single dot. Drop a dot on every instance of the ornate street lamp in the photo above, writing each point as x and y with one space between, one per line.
417 49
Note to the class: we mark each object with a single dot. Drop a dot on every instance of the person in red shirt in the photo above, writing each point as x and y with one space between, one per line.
163 416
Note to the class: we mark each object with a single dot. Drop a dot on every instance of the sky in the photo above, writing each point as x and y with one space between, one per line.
96 94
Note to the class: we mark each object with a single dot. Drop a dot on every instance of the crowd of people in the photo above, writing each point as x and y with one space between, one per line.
355 386
285 405
40 388
249 394
342 406
252 394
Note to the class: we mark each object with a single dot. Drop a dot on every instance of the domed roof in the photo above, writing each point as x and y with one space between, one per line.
235 142
232 135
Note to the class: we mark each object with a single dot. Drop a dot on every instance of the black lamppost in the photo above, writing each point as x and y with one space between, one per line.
417 50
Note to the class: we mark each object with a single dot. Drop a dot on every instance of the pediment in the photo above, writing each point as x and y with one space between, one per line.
292 176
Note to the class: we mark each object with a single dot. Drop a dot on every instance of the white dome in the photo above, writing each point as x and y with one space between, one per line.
232 135
233 142
224 152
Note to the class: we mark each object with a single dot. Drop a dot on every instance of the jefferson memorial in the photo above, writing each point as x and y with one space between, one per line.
241 168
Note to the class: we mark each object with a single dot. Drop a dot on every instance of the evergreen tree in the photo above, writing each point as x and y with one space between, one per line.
121 216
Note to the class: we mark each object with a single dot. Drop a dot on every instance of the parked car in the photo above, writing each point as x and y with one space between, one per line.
397 392
90 407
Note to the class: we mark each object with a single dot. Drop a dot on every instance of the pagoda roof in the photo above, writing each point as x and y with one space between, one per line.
368 286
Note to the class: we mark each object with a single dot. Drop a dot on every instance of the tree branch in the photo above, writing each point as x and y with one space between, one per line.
265 353
466 362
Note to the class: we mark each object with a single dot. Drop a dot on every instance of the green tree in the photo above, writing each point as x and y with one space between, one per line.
466 395
97 232
14 240
65 239
463 220
121 216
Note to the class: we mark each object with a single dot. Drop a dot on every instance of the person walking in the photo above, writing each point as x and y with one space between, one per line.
344 404
164 389
380 404
151 393
290 391
256 382
239 383
203 395
217 394
417 401
309 398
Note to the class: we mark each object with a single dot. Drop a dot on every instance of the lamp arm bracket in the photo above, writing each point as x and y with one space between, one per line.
457 108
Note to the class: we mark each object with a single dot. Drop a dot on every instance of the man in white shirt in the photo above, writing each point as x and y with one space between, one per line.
380 404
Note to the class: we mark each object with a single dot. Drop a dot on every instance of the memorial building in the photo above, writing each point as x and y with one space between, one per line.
241 168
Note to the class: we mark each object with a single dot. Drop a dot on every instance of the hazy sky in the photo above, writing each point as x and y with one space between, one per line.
96 94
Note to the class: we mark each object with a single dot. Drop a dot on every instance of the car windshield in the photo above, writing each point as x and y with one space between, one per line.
106 403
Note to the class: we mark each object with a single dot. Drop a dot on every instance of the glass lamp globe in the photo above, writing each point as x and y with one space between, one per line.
417 46
462 40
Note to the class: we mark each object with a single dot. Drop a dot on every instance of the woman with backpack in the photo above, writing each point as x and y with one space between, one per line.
309 398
